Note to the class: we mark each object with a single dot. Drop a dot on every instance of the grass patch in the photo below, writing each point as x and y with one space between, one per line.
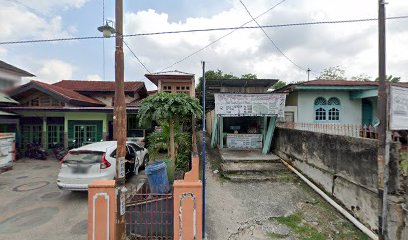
305 232
404 163
273 235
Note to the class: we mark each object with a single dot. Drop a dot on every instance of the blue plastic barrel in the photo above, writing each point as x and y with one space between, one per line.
157 177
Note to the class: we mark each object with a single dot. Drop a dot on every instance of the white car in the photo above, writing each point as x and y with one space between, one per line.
97 161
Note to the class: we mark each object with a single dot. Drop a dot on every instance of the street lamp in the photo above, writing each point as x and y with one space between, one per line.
107 29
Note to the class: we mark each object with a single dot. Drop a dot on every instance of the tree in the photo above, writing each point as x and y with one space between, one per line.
362 77
169 108
279 84
332 73
218 75
390 78
249 76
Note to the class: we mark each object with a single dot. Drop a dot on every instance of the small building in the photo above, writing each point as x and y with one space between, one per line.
332 102
70 112
11 76
173 82
242 113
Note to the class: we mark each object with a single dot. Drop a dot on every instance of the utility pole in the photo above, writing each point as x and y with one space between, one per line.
204 148
383 130
119 123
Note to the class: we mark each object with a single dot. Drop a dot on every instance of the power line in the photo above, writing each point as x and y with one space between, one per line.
141 63
220 38
202 30
270 39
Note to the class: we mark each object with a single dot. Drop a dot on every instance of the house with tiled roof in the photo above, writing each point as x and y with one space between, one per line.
71 112
173 82
333 102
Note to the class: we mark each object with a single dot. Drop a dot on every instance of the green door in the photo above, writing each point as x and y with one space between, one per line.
367 112
84 134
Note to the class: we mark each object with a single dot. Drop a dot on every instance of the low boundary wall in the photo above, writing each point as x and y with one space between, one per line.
346 168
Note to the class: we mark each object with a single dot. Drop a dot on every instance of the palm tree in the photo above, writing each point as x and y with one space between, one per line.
169 108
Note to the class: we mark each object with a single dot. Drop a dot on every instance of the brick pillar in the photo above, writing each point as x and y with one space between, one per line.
101 210
188 211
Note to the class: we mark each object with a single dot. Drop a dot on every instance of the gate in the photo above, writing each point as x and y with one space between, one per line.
148 216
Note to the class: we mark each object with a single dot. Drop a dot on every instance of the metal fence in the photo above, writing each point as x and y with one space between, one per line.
148 215
351 130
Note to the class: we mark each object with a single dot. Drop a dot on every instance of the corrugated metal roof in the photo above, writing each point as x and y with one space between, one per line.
6 99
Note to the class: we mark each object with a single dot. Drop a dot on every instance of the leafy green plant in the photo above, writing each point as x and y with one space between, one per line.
169 108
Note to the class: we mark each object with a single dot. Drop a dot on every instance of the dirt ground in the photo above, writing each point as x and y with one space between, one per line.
284 209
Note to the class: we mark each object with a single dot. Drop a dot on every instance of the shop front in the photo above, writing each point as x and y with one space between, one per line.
246 121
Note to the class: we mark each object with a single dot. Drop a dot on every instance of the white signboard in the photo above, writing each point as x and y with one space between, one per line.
399 108
121 168
244 141
122 203
250 104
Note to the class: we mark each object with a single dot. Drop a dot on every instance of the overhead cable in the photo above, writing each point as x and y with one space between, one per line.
201 30
270 39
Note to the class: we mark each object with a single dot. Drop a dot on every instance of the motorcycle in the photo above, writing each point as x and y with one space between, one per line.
35 151
59 151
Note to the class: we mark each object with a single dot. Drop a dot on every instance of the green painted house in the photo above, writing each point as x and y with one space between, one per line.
332 102
70 112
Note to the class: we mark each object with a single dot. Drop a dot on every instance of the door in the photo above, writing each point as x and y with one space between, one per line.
84 134
367 112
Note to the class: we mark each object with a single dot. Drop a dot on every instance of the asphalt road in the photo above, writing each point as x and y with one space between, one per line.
32 207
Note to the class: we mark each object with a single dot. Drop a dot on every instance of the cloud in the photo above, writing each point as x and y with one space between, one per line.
44 7
351 45
54 70
29 25
94 77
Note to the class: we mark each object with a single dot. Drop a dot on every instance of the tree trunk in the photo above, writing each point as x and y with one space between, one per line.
172 146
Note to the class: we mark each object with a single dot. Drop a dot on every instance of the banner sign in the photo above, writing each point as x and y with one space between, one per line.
250 104
244 141
399 108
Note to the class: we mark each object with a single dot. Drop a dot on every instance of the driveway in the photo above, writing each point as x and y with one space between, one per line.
32 207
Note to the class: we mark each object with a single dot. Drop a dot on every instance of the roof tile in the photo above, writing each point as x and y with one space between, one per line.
97 86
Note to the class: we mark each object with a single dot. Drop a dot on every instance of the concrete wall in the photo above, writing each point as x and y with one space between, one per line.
350 110
346 168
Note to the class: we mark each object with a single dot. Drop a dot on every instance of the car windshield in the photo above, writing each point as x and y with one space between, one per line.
83 157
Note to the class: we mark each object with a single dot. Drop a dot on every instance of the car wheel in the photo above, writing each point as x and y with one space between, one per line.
145 160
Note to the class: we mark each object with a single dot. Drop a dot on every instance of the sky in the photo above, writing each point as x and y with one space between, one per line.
352 46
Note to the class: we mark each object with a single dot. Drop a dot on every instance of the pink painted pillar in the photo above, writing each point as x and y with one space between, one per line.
101 210
188 205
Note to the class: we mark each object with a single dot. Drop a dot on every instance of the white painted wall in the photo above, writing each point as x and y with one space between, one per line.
9 79
351 112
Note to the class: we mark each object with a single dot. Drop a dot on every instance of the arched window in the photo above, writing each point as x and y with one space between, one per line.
334 114
333 101
327 110
320 114
320 109
320 101
334 109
